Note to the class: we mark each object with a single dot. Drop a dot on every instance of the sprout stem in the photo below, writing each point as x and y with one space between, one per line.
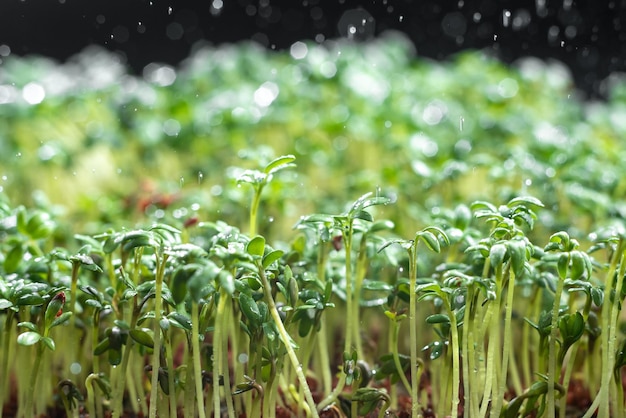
286 341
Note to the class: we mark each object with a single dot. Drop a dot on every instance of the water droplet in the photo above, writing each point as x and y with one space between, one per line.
75 368
461 122
506 18
182 181
270 219
200 177
400 19
298 50
169 10
33 93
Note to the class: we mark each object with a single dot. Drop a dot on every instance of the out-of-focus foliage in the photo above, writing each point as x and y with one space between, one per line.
356 116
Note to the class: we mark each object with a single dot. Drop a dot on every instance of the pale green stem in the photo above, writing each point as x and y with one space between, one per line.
169 356
525 349
361 269
502 386
456 372
552 366
91 399
602 397
395 328
415 405
158 306
4 368
224 350
284 336
569 368
197 367
254 209
120 382
28 404
322 352
615 309
347 238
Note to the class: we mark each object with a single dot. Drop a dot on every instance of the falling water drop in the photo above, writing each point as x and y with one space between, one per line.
506 18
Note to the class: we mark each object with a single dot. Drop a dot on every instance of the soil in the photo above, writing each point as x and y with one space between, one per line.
578 400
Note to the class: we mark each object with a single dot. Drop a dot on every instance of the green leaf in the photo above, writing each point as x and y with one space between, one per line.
438 319
5 304
49 342
279 164
364 215
497 254
517 252
580 265
28 338
227 281
272 257
102 347
40 226
430 240
64 317
54 308
525 200
377 285
562 264
141 337
110 244
180 321
136 239
115 356
28 325
383 225
14 258
250 309
86 262
256 246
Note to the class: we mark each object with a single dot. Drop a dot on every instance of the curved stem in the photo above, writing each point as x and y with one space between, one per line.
396 358
286 339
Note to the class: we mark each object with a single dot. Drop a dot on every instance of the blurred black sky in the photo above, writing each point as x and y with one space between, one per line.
589 36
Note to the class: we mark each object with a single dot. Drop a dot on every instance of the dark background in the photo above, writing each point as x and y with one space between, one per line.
588 36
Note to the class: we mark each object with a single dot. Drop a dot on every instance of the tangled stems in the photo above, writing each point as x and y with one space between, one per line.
286 339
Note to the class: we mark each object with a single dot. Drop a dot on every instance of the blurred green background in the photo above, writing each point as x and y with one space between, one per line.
101 147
